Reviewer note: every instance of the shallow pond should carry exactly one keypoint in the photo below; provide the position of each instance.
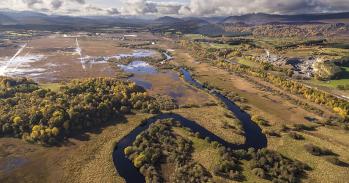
(138, 67)
(104, 59)
(163, 82)
(20, 64)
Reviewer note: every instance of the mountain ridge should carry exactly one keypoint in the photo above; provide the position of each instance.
(263, 18)
(10, 17)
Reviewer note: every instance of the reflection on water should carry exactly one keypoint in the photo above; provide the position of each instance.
(163, 82)
(136, 54)
(142, 83)
(104, 59)
(20, 66)
(138, 67)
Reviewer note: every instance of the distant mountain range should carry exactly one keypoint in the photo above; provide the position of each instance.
(10, 17)
(6, 20)
(169, 20)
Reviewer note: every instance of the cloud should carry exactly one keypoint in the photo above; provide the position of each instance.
(173, 7)
(138, 7)
(47, 5)
(86, 7)
(141, 7)
(236, 7)
(113, 11)
(56, 4)
(232, 7)
(32, 3)
(92, 8)
(71, 11)
(168, 8)
(79, 1)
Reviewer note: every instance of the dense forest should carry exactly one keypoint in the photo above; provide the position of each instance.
(264, 163)
(217, 57)
(39, 115)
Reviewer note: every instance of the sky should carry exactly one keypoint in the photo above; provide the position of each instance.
(176, 7)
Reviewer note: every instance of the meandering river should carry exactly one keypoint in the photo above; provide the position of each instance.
(254, 136)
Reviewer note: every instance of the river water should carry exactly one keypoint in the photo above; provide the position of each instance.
(253, 134)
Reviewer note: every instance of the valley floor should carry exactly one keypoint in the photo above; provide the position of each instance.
(88, 157)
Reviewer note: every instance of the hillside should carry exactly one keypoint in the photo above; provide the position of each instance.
(289, 30)
(168, 20)
(261, 18)
(10, 17)
(6, 20)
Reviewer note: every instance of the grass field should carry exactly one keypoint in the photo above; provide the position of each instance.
(250, 177)
(334, 83)
(223, 46)
(204, 153)
(322, 171)
(195, 36)
(336, 53)
(52, 86)
(247, 62)
(215, 118)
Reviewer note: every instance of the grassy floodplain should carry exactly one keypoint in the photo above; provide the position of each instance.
(329, 137)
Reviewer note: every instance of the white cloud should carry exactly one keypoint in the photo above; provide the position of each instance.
(56, 4)
(137, 7)
(113, 11)
(177, 7)
(169, 8)
(141, 7)
(71, 7)
(235, 7)
(32, 3)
